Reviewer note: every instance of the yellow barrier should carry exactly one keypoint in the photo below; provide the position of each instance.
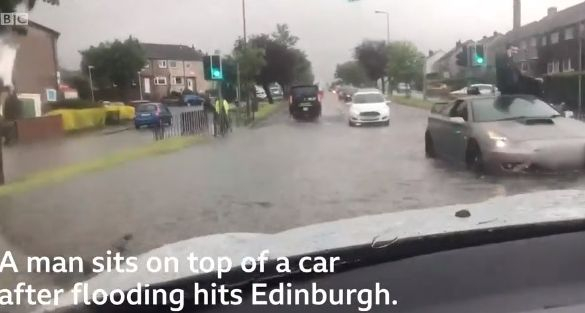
(126, 111)
(81, 118)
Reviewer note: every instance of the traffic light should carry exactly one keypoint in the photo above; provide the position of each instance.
(463, 56)
(479, 57)
(212, 67)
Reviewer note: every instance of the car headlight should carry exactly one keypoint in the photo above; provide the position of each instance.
(354, 113)
(499, 140)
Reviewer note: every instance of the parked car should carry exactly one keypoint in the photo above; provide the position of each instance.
(505, 134)
(136, 103)
(276, 92)
(152, 114)
(403, 88)
(369, 107)
(260, 93)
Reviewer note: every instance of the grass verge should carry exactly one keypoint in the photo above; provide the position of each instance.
(266, 110)
(66, 172)
(413, 102)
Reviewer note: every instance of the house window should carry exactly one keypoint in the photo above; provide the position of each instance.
(160, 80)
(533, 42)
(162, 64)
(523, 45)
(549, 67)
(525, 66)
(177, 80)
(188, 65)
(556, 66)
(569, 33)
(544, 41)
(173, 64)
(554, 38)
(567, 66)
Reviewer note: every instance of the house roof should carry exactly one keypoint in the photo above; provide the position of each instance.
(43, 28)
(171, 52)
(568, 16)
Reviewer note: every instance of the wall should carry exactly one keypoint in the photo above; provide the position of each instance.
(35, 69)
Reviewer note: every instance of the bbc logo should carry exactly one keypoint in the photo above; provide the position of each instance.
(13, 19)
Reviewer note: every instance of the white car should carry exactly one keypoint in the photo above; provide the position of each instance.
(260, 93)
(369, 107)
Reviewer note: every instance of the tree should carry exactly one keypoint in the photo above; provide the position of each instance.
(115, 63)
(405, 62)
(283, 63)
(282, 35)
(251, 61)
(352, 73)
(373, 56)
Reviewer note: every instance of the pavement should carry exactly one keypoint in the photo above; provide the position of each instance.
(24, 159)
(279, 175)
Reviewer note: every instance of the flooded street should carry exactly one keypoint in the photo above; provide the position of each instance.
(278, 175)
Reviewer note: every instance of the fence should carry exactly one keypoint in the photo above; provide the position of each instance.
(197, 122)
(187, 123)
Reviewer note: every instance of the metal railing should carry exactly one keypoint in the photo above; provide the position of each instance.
(184, 124)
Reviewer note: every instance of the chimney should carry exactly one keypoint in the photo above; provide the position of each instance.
(552, 11)
(431, 53)
(517, 14)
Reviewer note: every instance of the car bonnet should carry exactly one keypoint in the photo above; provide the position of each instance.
(540, 207)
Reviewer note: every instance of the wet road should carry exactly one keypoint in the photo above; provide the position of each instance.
(279, 175)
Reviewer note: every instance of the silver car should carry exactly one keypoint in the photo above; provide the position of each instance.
(505, 134)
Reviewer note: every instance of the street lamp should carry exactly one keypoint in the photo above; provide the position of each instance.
(387, 24)
(140, 85)
(89, 68)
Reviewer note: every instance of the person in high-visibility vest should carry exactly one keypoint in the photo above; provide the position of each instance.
(222, 114)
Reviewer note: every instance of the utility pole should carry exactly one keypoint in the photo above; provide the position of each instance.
(140, 85)
(580, 102)
(387, 83)
(245, 47)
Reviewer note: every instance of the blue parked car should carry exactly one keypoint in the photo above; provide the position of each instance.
(193, 100)
(152, 114)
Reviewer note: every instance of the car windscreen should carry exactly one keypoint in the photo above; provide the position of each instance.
(508, 108)
(368, 98)
(147, 108)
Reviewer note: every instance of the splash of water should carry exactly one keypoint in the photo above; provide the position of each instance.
(8, 49)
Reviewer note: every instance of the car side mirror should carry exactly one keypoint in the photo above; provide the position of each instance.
(569, 114)
(457, 120)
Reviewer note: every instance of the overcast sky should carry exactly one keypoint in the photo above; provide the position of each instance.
(328, 29)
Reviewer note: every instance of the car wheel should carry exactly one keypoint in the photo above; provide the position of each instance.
(350, 124)
(429, 146)
(387, 123)
(137, 126)
(474, 158)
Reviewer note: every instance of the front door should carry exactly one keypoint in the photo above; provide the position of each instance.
(147, 85)
(190, 84)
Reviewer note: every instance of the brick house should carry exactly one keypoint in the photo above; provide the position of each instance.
(552, 49)
(35, 74)
(171, 68)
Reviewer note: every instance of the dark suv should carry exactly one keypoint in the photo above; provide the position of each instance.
(305, 102)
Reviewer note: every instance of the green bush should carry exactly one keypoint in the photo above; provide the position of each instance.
(74, 104)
